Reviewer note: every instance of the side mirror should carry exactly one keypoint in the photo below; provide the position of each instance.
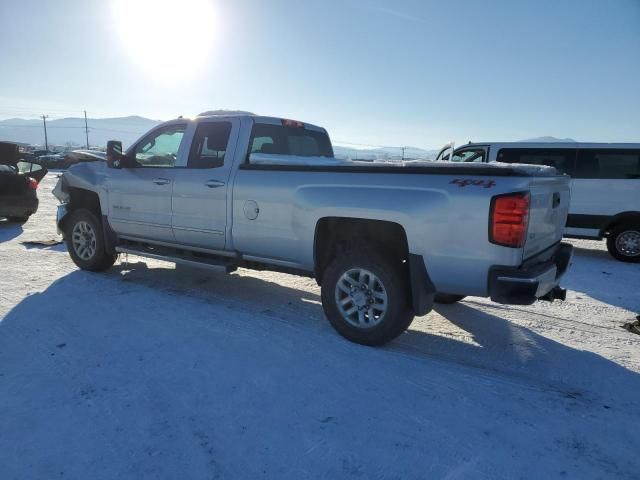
(114, 154)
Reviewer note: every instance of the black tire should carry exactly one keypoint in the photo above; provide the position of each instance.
(446, 299)
(100, 260)
(18, 219)
(617, 235)
(394, 279)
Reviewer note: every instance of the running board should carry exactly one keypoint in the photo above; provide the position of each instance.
(165, 254)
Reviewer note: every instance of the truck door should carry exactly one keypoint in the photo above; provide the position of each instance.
(201, 190)
(140, 192)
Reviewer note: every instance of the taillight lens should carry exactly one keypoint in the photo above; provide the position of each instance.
(33, 185)
(509, 219)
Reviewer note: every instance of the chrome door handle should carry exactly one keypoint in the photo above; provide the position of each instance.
(214, 183)
(161, 181)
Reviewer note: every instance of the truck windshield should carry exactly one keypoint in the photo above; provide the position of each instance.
(285, 140)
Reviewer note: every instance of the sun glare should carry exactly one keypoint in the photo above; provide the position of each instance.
(167, 39)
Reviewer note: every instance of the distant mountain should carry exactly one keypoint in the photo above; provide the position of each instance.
(70, 131)
(548, 139)
(383, 153)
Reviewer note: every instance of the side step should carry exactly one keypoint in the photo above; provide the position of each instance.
(179, 257)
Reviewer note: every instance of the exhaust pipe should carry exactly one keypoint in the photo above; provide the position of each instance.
(556, 293)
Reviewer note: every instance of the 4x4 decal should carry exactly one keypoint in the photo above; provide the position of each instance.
(463, 182)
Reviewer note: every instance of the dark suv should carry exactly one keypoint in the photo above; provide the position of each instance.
(18, 184)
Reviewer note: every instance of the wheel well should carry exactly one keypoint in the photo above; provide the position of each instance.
(621, 219)
(80, 198)
(336, 234)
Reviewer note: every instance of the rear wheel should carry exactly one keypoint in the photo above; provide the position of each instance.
(85, 242)
(445, 298)
(365, 296)
(18, 219)
(624, 243)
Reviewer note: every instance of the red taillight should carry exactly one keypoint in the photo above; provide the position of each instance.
(33, 185)
(292, 123)
(509, 219)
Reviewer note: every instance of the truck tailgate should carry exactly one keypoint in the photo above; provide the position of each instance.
(549, 208)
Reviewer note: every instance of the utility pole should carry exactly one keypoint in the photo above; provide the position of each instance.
(403, 149)
(86, 129)
(44, 122)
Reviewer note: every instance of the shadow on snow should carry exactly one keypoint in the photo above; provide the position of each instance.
(148, 371)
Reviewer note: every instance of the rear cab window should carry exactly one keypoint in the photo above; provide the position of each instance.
(294, 139)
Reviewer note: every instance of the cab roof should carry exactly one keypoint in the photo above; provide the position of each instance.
(218, 114)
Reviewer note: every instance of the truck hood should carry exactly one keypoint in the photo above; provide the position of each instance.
(86, 175)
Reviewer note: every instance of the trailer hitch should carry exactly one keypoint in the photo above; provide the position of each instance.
(556, 293)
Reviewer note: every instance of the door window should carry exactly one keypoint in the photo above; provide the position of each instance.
(289, 140)
(561, 158)
(469, 156)
(608, 163)
(159, 148)
(209, 145)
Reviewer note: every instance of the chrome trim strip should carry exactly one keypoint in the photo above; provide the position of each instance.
(198, 230)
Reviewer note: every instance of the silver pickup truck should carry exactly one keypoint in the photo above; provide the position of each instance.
(384, 241)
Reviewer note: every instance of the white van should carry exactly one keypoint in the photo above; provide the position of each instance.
(605, 185)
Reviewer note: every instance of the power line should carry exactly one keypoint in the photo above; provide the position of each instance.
(36, 126)
(91, 129)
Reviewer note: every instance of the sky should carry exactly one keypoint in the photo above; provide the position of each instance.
(373, 72)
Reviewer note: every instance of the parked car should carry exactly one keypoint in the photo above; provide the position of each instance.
(78, 156)
(605, 185)
(18, 184)
(266, 193)
(53, 160)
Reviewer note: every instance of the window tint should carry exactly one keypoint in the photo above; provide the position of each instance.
(209, 145)
(160, 148)
(281, 140)
(471, 156)
(609, 163)
(560, 158)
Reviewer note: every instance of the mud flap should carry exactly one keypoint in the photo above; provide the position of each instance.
(423, 291)
(110, 237)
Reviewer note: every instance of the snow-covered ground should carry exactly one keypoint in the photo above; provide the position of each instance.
(145, 372)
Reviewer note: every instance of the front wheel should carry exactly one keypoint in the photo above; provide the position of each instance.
(85, 242)
(624, 243)
(18, 219)
(366, 298)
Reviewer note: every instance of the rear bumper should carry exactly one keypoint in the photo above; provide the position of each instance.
(532, 280)
(18, 205)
